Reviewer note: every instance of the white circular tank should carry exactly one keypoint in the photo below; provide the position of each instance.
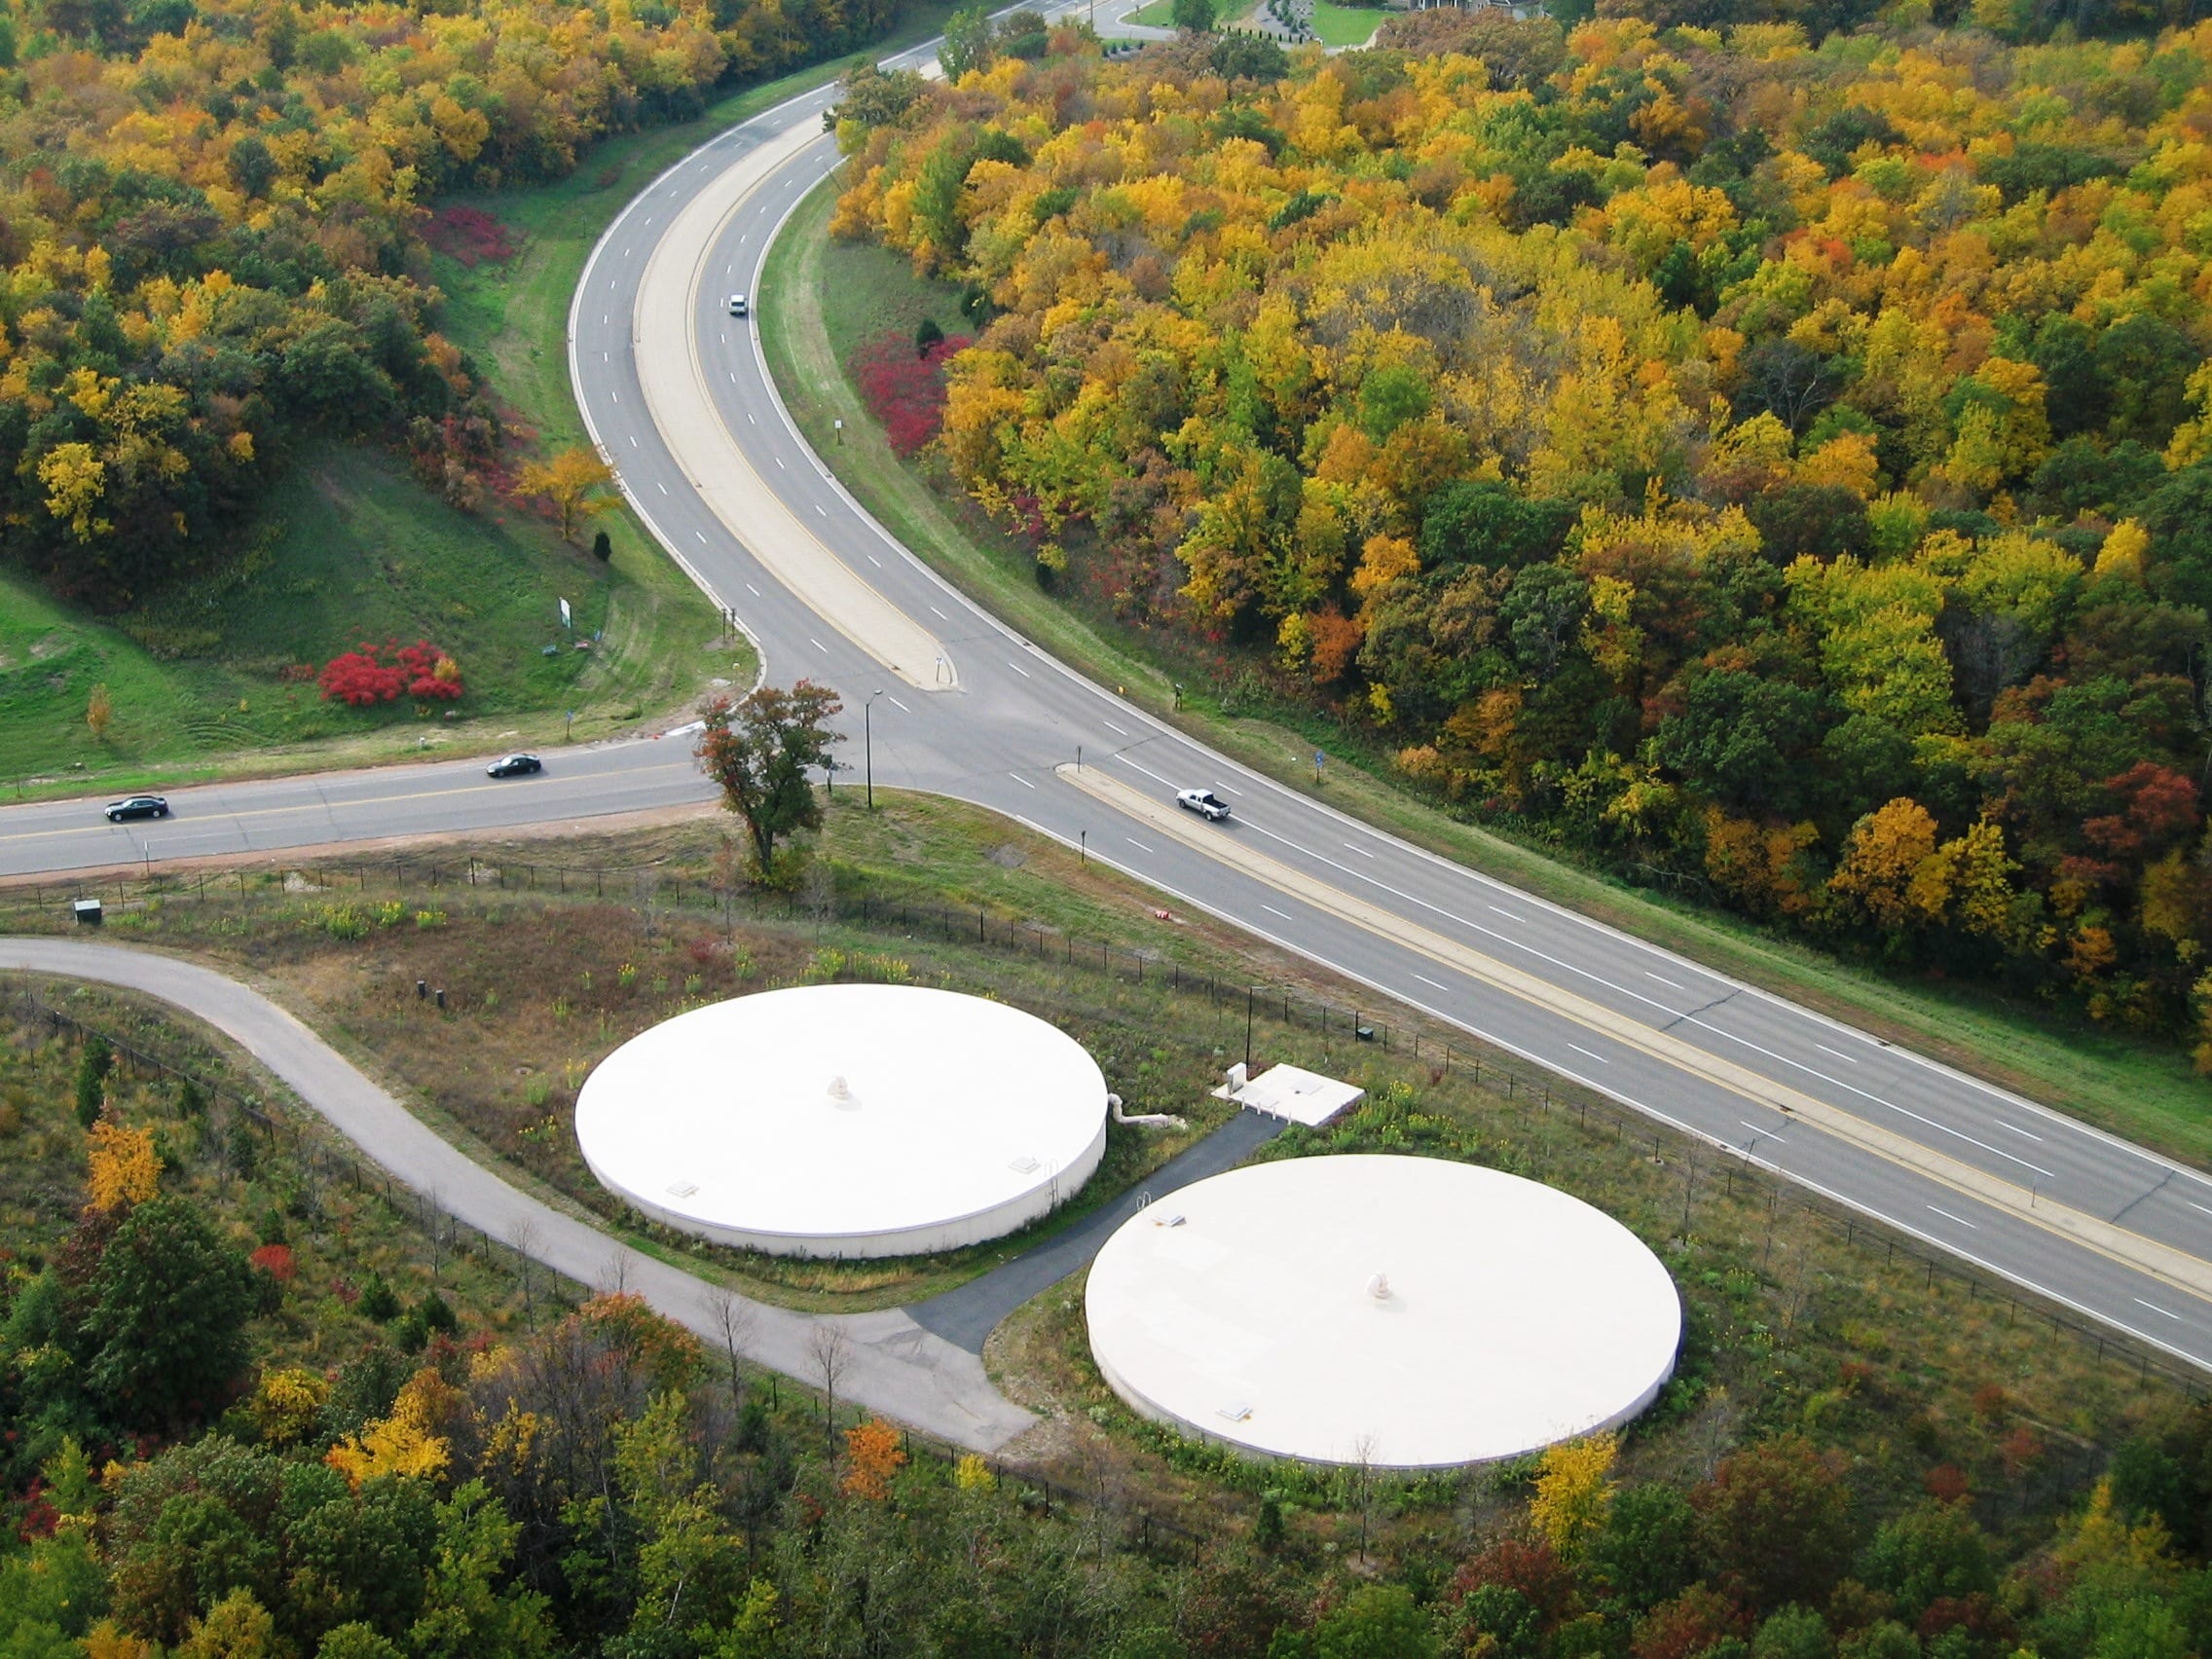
(846, 1120)
(1406, 1312)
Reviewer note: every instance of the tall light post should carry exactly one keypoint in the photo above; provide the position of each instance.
(867, 742)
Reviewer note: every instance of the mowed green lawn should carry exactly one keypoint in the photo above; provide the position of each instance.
(1344, 25)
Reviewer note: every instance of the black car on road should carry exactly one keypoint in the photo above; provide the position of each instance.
(137, 806)
(514, 766)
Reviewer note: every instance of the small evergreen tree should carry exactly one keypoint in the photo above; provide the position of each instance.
(94, 1063)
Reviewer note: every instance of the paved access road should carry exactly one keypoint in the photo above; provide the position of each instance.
(889, 1363)
(2079, 1216)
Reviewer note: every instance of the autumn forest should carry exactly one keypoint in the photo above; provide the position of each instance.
(1780, 471)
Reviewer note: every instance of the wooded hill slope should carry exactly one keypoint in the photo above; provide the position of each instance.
(211, 219)
(1780, 469)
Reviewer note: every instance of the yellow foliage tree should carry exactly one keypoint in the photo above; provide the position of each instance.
(572, 481)
(407, 1442)
(1573, 1492)
(971, 1473)
(286, 1402)
(1885, 850)
(99, 709)
(124, 1168)
(238, 1627)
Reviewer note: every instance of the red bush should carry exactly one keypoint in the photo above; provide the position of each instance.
(469, 236)
(355, 676)
(275, 1259)
(903, 391)
(372, 673)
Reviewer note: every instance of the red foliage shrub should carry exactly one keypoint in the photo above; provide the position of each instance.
(275, 1259)
(355, 676)
(377, 673)
(468, 235)
(1532, 1569)
(1946, 1483)
(1697, 1619)
(903, 391)
(39, 1516)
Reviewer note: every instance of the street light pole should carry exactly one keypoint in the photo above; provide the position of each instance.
(867, 742)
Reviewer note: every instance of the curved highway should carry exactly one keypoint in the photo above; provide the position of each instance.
(2104, 1227)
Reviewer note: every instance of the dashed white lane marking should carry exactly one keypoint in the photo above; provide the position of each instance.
(780, 466)
(1756, 1130)
(2155, 1307)
(662, 487)
(1426, 981)
(2198, 1207)
(1349, 847)
(1272, 911)
(872, 558)
(1111, 726)
(1022, 780)
(750, 589)
(749, 415)
(1142, 848)
(1847, 1059)
(1960, 1219)
(632, 440)
(939, 615)
(1507, 915)
(702, 536)
(1664, 981)
(1592, 1053)
(1018, 669)
(895, 704)
(617, 396)
(817, 508)
(2031, 1135)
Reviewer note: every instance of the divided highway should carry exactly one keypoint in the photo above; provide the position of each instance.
(2105, 1227)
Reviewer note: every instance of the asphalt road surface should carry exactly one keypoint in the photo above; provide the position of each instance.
(2104, 1227)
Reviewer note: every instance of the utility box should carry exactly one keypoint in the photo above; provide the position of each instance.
(88, 911)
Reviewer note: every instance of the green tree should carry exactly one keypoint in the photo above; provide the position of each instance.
(1376, 1621)
(1195, 16)
(1392, 395)
(1642, 1555)
(94, 1060)
(1476, 522)
(1744, 740)
(758, 750)
(1793, 1633)
(470, 1609)
(169, 1301)
(967, 43)
(1242, 56)
(1935, 1551)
